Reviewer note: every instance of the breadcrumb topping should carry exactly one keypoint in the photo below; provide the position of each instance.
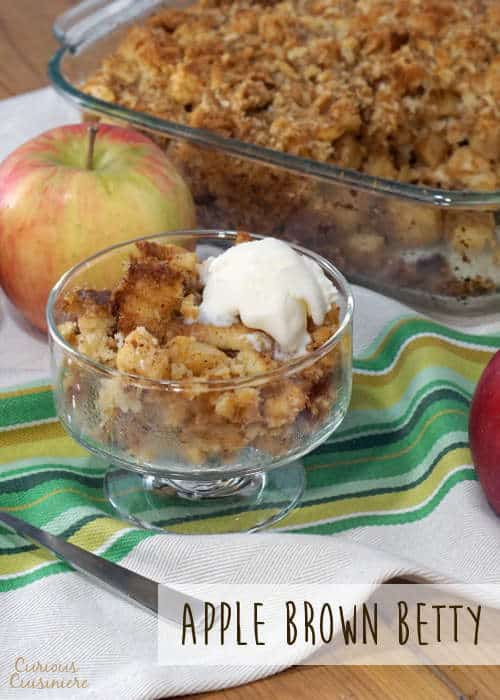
(403, 89)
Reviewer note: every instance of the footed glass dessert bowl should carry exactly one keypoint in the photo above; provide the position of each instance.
(202, 418)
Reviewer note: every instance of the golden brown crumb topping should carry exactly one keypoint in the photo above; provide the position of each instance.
(404, 89)
(147, 325)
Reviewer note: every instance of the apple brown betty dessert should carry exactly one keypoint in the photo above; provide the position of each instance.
(148, 326)
(407, 90)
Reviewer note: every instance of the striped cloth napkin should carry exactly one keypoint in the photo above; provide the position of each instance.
(394, 488)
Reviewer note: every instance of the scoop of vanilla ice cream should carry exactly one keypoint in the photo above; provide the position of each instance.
(270, 287)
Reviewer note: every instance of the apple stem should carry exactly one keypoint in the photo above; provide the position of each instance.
(93, 129)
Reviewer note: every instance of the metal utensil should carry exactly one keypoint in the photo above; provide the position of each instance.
(135, 587)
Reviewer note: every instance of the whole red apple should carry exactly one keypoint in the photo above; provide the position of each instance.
(74, 190)
(484, 431)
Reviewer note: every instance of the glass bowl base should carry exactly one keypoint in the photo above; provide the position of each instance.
(181, 506)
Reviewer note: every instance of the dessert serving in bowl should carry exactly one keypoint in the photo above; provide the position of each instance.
(366, 131)
(202, 365)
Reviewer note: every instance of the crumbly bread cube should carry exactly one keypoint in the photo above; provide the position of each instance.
(222, 440)
(190, 308)
(345, 210)
(141, 354)
(97, 321)
(349, 152)
(320, 334)
(175, 411)
(485, 139)
(91, 312)
(192, 358)
(185, 85)
(232, 338)
(97, 345)
(345, 218)
(116, 394)
(365, 249)
(148, 296)
(239, 406)
(275, 441)
(153, 291)
(178, 258)
(69, 331)
(283, 407)
(100, 91)
(432, 149)
(81, 302)
(470, 232)
(193, 452)
(380, 164)
(322, 402)
(252, 94)
(471, 169)
(413, 226)
(250, 362)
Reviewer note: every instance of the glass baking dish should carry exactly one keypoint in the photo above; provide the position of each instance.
(435, 249)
